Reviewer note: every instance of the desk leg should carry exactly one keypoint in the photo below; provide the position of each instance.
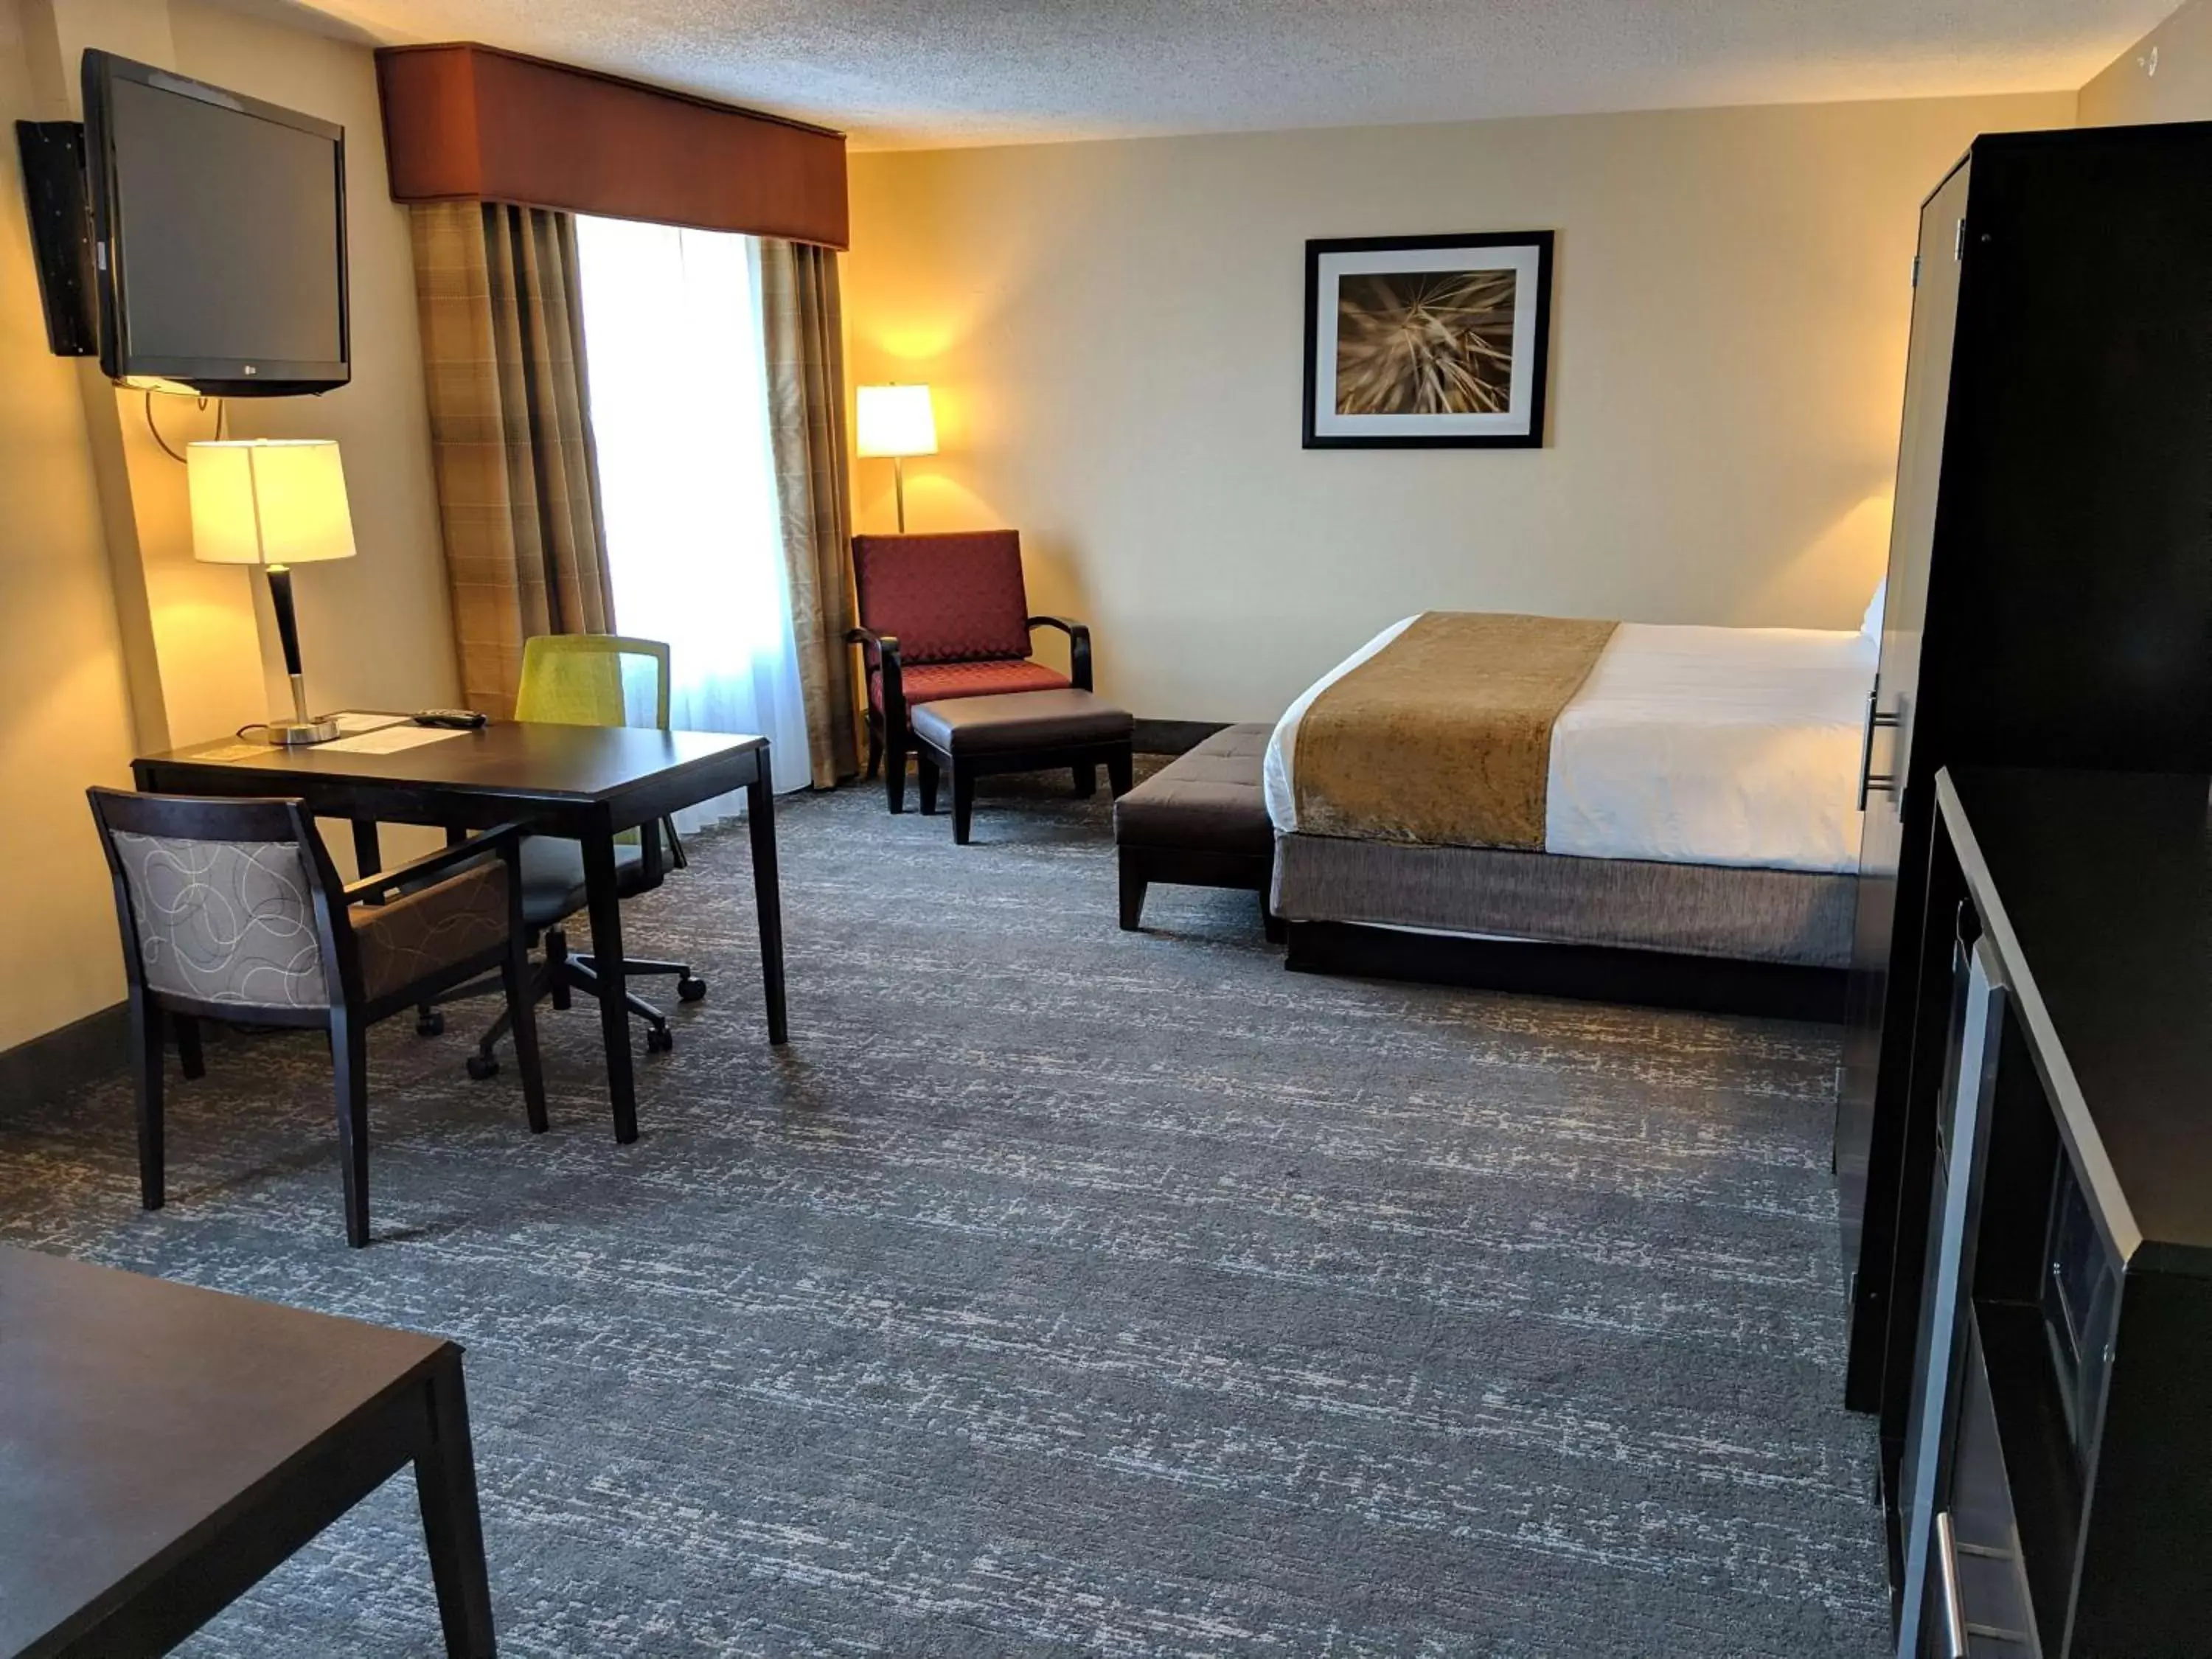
(453, 1527)
(605, 909)
(768, 896)
(368, 851)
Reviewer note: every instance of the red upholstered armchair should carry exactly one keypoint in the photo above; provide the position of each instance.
(946, 616)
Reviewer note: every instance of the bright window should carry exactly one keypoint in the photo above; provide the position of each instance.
(678, 390)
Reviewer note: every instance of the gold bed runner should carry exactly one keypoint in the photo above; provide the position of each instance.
(1444, 735)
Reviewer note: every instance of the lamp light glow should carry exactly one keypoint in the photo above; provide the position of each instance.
(894, 422)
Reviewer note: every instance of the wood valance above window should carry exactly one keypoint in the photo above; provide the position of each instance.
(470, 123)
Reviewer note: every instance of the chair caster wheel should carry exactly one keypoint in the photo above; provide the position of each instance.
(430, 1025)
(659, 1039)
(482, 1067)
(690, 988)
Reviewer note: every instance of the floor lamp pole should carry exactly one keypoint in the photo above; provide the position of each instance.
(898, 488)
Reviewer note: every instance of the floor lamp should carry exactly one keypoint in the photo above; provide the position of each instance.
(896, 422)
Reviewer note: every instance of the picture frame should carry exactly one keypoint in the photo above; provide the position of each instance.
(1428, 342)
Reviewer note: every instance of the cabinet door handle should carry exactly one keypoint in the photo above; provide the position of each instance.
(1947, 1567)
(1869, 779)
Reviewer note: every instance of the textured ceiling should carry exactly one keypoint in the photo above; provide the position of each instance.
(907, 72)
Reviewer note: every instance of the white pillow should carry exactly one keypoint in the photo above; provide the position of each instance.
(1871, 625)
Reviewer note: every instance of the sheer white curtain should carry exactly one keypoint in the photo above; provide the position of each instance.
(678, 391)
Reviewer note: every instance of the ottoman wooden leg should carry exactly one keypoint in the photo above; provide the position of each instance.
(963, 801)
(928, 771)
(1120, 771)
(1132, 896)
(1086, 781)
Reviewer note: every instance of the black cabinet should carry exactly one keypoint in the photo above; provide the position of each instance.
(2050, 588)
(2053, 1493)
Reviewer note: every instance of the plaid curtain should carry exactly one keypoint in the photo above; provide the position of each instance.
(510, 429)
(805, 340)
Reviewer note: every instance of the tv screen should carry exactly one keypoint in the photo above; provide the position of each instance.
(219, 234)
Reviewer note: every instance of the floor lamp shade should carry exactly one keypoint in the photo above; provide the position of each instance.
(895, 422)
(274, 503)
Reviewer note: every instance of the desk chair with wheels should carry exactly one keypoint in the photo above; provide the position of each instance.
(585, 679)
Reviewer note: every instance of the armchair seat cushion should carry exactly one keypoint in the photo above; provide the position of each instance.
(431, 929)
(934, 681)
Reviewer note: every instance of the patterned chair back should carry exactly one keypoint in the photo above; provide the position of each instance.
(218, 899)
(956, 597)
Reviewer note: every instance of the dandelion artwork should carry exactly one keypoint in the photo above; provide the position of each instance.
(1427, 341)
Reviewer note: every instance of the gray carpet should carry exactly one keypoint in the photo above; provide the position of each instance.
(1059, 1291)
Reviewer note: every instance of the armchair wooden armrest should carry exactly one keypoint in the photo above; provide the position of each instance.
(1078, 647)
(886, 647)
(431, 865)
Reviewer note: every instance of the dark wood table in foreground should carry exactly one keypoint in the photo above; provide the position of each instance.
(587, 782)
(163, 1448)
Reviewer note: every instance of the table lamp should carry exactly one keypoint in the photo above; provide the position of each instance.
(274, 502)
(897, 421)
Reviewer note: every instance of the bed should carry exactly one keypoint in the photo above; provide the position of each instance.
(1639, 797)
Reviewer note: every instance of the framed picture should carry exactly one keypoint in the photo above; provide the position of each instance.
(1427, 342)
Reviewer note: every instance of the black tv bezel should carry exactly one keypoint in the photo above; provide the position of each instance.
(229, 377)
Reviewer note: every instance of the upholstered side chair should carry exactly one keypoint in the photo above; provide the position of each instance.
(946, 615)
(232, 909)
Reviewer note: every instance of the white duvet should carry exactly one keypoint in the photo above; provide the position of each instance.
(1690, 746)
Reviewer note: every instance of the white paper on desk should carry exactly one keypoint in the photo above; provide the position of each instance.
(233, 751)
(352, 722)
(388, 740)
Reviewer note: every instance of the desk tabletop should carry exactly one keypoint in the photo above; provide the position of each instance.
(2104, 884)
(529, 760)
(132, 1410)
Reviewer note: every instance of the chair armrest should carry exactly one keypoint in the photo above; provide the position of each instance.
(889, 670)
(1078, 647)
(442, 862)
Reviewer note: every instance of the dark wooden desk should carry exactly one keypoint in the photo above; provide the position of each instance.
(585, 782)
(163, 1448)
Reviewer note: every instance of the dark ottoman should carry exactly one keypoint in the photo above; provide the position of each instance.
(1201, 821)
(1018, 732)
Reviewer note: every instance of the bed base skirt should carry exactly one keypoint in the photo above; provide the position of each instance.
(1618, 930)
(1589, 972)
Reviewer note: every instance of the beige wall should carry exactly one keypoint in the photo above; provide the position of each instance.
(2175, 86)
(1113, 332)
(116, 636)
(375, 632)
(64, 710)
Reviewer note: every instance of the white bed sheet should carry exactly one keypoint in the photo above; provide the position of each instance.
(1692, 745)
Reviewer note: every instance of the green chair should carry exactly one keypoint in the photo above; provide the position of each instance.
(585, 679)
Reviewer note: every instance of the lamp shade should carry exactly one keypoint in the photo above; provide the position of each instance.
(269, 501)
(897, 420)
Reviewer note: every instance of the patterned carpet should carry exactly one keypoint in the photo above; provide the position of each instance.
(1059, 1291)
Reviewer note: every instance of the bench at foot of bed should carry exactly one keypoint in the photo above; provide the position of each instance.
(1199, 820)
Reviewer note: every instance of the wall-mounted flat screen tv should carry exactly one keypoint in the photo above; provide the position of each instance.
(219, 235)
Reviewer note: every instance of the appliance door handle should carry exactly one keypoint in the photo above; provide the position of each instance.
(1947, 1569)
(1870, 779)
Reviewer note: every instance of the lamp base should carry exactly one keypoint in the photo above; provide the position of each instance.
(290, 733)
